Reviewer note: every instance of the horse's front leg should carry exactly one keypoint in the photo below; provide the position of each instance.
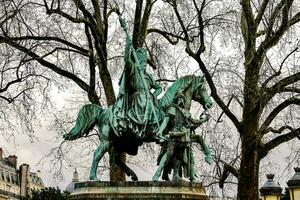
(204, 147)
(98, 154)
(129, 172)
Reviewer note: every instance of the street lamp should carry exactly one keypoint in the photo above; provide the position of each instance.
(271, 190)
(294, 185)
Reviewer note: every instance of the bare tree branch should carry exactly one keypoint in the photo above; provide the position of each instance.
(280, 130)
(281, 139)
(272, 39)
(261, 12)
(49, 38)
(45, 63)
(12, 99)
(278, 87)
(277, 73)
(295, 19)
(290, 89)
(228, 169)
(275, 112)
(166, 35)
(67, 16)
(215, 95)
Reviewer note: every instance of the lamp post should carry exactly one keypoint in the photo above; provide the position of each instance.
(271, 190)
(294, 185)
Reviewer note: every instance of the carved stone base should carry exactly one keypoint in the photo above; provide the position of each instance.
(138, 190)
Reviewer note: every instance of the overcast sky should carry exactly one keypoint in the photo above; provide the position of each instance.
(31, 152)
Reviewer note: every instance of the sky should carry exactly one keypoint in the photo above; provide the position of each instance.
(32, 152)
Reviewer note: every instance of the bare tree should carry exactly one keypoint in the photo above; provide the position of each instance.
(265, 26)
(247, 50)
(67, 40)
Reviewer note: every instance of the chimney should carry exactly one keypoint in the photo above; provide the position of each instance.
(39, 173)
(24, 170)
(12, 159)
(1, 153)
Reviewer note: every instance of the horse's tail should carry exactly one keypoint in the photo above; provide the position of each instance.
(86, 120)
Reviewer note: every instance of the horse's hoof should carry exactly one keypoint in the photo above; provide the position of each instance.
(155, 178)
(93, 179)
(193, 180)
(134, 178)
(177, 178)
(209, 159)
(165, 177)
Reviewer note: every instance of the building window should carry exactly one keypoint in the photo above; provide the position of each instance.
(16, 179)
(1, 174)
(12, 178)
(7, 177)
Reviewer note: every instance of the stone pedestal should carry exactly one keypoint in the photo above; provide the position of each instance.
(138, 190)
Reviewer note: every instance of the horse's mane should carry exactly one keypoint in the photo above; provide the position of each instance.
(179, 85)
(86, 120)
(198, 81)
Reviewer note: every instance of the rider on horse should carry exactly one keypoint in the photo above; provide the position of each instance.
(136, 108)
(135, 117)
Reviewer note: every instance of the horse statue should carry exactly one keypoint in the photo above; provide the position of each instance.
(193, 88)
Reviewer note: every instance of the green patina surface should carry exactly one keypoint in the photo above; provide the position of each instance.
(139, 116)
(138, 190)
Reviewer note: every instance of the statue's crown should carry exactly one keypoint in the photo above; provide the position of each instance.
(141, 53)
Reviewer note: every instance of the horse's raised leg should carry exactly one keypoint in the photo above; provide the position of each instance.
(129, 172)
(98, 154)
(204, 147)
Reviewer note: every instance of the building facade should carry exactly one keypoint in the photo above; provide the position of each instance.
(16, 182)
(70, 187)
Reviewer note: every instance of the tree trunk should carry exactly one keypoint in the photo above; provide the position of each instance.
(249, 168)
(249, 171)
(116, 174)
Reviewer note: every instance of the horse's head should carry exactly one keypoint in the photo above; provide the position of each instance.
(200, 93)
(193, 88)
